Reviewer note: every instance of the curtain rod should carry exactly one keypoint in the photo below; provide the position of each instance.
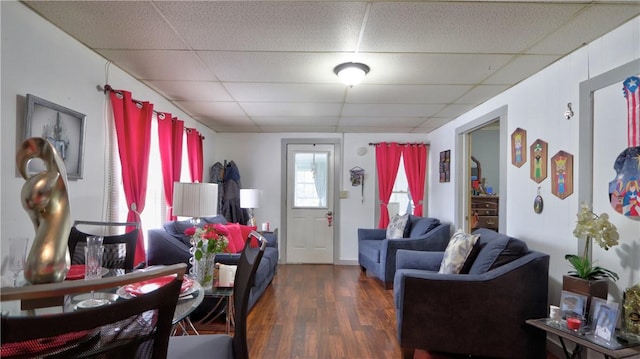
(108, 88)
(399, 143)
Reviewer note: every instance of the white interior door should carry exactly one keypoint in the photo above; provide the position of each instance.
(310, 186)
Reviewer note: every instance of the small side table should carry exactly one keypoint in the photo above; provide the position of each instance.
(612, 349)
(219, 293)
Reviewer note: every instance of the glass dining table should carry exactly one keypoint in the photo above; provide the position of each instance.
(188, 301)
(190, 298)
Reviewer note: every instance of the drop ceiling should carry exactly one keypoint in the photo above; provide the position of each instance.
(267, 66)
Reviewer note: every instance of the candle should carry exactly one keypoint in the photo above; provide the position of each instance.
(573, 323)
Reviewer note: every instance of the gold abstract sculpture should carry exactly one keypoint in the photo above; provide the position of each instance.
(44, 197)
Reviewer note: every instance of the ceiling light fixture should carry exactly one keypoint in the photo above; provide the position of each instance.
(351, 73)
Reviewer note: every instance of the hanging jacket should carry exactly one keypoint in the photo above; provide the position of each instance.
(216, 175)
(231, 204)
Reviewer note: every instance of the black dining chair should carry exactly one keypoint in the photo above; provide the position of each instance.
(119, 249)
(222, 345)
(139, 327)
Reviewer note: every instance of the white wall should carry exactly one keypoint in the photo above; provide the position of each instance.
(39, 59)
(258, 156)
(537, 105)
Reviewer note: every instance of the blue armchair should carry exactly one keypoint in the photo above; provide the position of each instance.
(481, 313)
(377, 254)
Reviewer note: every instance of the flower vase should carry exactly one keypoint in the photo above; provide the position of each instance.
(202, 269)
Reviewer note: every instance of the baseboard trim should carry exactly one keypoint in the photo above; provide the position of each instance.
(348, 262)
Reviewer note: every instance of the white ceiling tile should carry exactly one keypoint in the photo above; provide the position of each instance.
(159, 65)
(265, 92)
(390, 110)
(461, 27)
(431, 69)
(365, 93)
(585, 27)
(211, 109)
(291, 109)
(481, 93)
(112, 24)
(319, 129)
(455, 110)
(373, 129)
(296, 121)
(524, 65)
(278, 67)
(191, 90)
(267, 26)
(221, 120)
(381, 121)
(223, 128)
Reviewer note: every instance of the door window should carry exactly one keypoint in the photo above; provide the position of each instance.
(310, 188)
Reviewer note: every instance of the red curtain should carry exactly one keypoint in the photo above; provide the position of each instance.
(194, 150)
(415, 166)
(133, 129)
(170, 131)
(387, 162)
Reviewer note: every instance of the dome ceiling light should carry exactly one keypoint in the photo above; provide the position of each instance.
(351, 73)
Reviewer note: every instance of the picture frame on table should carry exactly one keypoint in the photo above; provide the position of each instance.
(606, 322)
(64, 128)
(572, 304)
(594, 309)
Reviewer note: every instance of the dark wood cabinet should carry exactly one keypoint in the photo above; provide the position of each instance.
(485, 211)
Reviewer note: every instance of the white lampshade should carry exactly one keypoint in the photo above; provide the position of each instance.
(351, 73)
(250, 198)
(195, 200)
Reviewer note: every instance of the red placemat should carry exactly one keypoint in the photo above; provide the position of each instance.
(150, 285)
(76, 272)
(39, 346)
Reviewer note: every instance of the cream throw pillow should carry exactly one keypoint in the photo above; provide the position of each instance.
(458, 249)
(395, 229)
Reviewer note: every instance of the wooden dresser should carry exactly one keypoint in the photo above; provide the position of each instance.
(486, 209)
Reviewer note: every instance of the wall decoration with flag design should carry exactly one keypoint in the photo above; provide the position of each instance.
(624, 190)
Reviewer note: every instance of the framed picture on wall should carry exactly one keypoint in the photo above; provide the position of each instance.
(538, 164)
(445, 166)
(62, 127)
(518, 147)
(562, 174)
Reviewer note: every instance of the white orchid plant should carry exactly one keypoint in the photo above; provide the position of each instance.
(592, 227)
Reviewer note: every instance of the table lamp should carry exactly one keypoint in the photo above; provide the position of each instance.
(195, 200)
(250, 199)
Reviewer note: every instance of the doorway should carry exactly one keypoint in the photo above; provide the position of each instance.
(310, 211)
(464, 182)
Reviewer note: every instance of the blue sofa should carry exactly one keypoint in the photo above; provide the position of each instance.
(169, 245)
(481, 313)
(377, 254)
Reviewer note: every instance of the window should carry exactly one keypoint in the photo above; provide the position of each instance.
(400, 201)
(310, 188)
(155, 209)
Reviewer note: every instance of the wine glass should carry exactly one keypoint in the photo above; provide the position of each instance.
(17, 254)
(93, 253)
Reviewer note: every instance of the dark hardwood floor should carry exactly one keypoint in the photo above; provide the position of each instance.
(322, 312)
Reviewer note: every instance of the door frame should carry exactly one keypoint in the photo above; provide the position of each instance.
(462, 194)
(337, 173)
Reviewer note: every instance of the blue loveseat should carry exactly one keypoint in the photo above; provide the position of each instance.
(169, 245)
(481, 313)
(377, 254)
